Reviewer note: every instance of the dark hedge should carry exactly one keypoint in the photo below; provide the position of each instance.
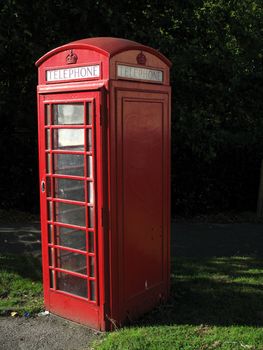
(216, 47)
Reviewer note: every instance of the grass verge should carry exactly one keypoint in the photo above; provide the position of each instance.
(215, 304)
(20, 284)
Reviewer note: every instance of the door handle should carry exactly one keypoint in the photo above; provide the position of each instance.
(43, 186)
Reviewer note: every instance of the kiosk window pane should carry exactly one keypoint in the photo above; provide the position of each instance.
(91, 242)
(50, 228)
(47, 138)
(51, 278)
(68, 139)
(91, 266)
(92, 290)
(48, 157)
(90, 192)
(69, 189)
(49, 210)
(47, 115)
(91, 217)
(71, 238)
(71, 261)
(68, 114)
(50, 256)
(89, 116)
(89, 140)
(68, 164)
(89, 166)
(70, 214)
(48, 186)
(72, 284)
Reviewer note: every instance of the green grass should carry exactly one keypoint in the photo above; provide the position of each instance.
(215, 303)
(20, 284)
(184, 338)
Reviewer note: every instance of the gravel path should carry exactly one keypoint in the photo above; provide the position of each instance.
(44, 333)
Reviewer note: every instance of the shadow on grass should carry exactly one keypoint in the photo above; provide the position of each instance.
(215, 291)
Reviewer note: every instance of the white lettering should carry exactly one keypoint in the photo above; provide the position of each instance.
(85, 72)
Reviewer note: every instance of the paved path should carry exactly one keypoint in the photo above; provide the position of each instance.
(20, 238)
(208, 240)
(187, 239)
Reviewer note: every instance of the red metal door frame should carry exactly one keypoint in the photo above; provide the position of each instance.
(61, 303)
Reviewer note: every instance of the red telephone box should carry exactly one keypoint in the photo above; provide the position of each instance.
(104, 155)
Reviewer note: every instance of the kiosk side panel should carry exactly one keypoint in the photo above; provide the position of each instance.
(142, 198)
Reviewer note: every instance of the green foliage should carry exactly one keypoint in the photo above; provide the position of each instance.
(216, 47)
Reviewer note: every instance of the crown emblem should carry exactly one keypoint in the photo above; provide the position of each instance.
(141, 58)
(71, 57)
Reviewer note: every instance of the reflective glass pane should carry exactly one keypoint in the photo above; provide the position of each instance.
(68, 139)
(91, 217)
(68, 164)
(89, 140)
(91, 266)
(89, 166)
(91, 242)
(89, 116)
(49, 210)
(48, 186)
(72, 284)
(47, 115)
(70, 214)
(50, 228)
(69, 189)
(47, 138)
(51, 255)
(51, 278)
(71, 114)
(90, 192)
(92, 290)
(72, 238)
(48, 169)
(71, 261)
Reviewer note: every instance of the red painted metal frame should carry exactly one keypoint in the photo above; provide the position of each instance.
(55, 300)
